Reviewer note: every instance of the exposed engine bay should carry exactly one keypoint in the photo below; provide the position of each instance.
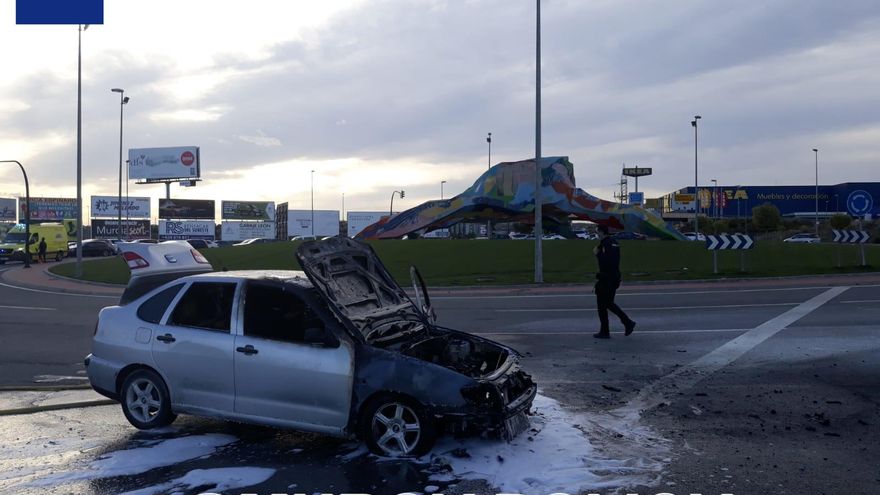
(471, 357)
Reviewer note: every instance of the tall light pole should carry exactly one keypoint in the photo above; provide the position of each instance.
(539, 227)
(402, 195)
(343, 206)
(714, 202)
(816, 153)
(27, 213)
(122, 102)
(696, 182)
(313, 203)
(441, 188)
(79, 220)
(489, 167)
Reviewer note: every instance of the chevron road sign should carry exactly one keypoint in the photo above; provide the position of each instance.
(851, 236)
(732, 241)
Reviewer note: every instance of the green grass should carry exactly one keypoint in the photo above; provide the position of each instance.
(465, 262)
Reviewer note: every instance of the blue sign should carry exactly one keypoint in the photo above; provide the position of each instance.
(859, 203)
(59, 11)
(636, 198)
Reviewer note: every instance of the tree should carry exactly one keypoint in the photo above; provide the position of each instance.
(840, 221)
(766, 217)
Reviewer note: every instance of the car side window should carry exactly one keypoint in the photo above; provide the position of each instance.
(271, 312)
(153, 308)
(206, 305)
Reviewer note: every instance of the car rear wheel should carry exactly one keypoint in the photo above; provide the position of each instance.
(105, 253)
(145, 401)
(396, 426)
(59, 256)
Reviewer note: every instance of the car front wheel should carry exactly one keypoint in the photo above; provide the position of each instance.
(397, 427)
(145, 400)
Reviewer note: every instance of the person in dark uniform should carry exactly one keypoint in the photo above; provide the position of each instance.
(42, 250)
(607, 281)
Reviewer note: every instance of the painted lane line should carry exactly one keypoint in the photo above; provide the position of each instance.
(863, 301)
(27, 307)
(642, 332)
(41, 291)
(717, 306)
(659, 292)
(688, 375)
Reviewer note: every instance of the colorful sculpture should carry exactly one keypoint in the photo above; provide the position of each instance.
(506, 193)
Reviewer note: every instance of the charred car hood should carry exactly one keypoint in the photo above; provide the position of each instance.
(357, 286)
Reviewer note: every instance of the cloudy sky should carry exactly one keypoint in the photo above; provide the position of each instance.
(382, 95)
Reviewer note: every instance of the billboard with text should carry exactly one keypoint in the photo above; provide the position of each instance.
(131, 229)
(247, 210)
(7, 210)
(49, 209)
(189, 209)
(359, 220)
(187, 229)
(108, 206)
(299, 222)
(239, 231)
(156, 164)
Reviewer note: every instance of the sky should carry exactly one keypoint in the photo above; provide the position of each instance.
(377, 96)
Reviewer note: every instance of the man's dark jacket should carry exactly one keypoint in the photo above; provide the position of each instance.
(608, 257)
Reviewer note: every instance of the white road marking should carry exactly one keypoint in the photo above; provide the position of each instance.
(658, 292)
(41, 291)
(646, 332)
(863, 301)
(27, 307)
(717, 306)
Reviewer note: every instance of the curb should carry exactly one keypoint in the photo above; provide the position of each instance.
(56, 407)
(43, 388)
(84, 282)
(59, 289)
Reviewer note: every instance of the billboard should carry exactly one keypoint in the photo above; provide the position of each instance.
(239, 231)
(247, 210)
(636, 198)
(156, 164)
(299, 222)
(108, 206)
(131, 229)
(49, 209)
(7, 210)
(359, 220)
(188, 229)
(186, 208)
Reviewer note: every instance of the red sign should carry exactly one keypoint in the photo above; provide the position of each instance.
(187, 158)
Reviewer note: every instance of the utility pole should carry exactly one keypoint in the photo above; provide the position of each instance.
(539, 227)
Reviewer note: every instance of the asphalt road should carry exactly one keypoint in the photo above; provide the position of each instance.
(743, 391)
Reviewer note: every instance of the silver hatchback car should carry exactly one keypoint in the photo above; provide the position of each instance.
(338, 348)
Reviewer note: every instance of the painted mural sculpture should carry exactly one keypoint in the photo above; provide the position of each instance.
(506, 193)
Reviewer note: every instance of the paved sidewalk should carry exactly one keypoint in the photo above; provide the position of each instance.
(38, 277)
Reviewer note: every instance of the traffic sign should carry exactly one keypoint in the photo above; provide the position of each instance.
(733, 241)
(851, 236)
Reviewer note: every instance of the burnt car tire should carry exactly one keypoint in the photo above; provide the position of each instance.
(396, 426)
(145, 400)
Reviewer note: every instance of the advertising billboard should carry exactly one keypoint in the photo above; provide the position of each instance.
(107, 206)
(239, 231)
(299, 222)
(131, 229)
(247, 210)
(7, 209)
(359, 220)
(189, 209)
(187, 229)
(49, 209)
(156, 164)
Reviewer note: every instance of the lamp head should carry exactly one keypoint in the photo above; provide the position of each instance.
(816, 150)
(118, 90)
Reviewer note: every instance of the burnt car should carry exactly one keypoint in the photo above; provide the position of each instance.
(339, 348)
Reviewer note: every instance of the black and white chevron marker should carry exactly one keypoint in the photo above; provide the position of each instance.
(851, 236)
(732, 241)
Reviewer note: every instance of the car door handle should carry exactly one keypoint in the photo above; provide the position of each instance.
(167, 338)
(248, 350)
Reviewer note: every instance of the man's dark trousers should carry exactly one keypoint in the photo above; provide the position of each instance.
(606, 288)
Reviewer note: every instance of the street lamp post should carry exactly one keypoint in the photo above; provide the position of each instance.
(441, 188)
(539, 227)
(402, 195)
(489, 167)
(714, 202)
(313, 202)
(79, 222)
(27, 213)
(696, 181)
(816, 153)
(123, 100)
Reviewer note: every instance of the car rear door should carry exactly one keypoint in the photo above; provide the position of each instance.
(194, 346)
(288, 365)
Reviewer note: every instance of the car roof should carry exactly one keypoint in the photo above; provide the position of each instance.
(296, 277)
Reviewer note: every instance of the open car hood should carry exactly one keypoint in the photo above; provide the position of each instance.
(357, 285)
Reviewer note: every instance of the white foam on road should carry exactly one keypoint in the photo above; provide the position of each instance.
(217, 480)
(557, 455)
(142, 459)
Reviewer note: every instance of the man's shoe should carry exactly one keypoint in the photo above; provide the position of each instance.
(602, 335)
(629, 327)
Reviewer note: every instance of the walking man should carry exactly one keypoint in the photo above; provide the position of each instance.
(607, 281)
(42, 250)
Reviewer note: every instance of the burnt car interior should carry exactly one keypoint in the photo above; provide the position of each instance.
(272, 311)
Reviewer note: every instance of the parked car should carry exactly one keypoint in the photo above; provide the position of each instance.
(517, 236)
(147, 241)
(553, 237)
(629, 236)
(93, 247)
(692, 236)
(202, 243)
(338, 348)
(257, 240)
(586, 235)
(803, 239)
(303, 238)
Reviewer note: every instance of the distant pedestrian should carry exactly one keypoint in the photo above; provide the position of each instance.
(42, 250)
(607, 282)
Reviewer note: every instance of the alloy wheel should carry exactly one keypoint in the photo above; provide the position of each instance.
(396, 429)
